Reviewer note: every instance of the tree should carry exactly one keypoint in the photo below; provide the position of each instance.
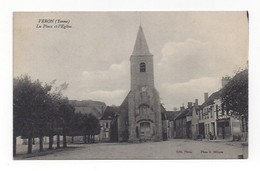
(55, 114)
(85, 127)
(29, 97)
(235, 96)
(66, 112)
(94, 127)
(76, 125)
(43, 117)
(51, 118)
(88, 126)
(39, 110)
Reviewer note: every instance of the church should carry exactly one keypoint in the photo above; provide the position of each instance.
(140, 116)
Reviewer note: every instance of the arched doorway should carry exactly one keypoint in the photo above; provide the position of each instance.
(145, 131)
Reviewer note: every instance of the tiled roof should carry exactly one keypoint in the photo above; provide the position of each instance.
(211, 98)
(109, 113)
(171, 115)
(184, 113)
(124, 104)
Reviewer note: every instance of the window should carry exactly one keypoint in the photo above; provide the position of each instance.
(217, 111)
(222, 109)
(107, 135)
(211, 111)
(142, 67)
(107, 125)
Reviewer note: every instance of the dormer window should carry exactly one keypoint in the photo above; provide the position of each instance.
(142, 67)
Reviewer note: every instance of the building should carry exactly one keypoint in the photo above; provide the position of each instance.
(215, 122)
(207, 116)
(171, 115)
(139, 116)
(182, 123)
(165, 123)
(208, 121)
(228, 127)
(106, 123)
(195, 120)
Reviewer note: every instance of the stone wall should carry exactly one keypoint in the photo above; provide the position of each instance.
(148, 98)
(141, 78)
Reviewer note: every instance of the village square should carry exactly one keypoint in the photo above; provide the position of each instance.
(49, 125)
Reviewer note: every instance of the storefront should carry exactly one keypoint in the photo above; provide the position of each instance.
(223, 128)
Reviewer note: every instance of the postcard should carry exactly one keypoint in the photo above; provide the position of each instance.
(140, 85)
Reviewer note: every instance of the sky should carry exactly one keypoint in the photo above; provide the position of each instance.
(192, 52)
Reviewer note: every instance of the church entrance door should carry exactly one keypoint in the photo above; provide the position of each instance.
(145, 131)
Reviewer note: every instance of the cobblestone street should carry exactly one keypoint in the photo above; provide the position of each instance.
(172, 149)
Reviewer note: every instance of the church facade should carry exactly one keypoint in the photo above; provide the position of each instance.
(139, 116)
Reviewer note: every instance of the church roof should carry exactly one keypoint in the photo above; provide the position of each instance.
(141, 47)
(124, 105)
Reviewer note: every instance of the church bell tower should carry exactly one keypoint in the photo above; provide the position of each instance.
(141, 63)
(144, 109)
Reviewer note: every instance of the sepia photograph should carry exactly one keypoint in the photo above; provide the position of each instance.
(140, 85)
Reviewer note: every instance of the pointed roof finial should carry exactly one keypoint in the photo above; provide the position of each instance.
(140, 17)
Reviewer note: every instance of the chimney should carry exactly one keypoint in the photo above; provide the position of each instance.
(206, 96)
(182, 108)
(224, 81)
(189, 104)
(196, 104)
